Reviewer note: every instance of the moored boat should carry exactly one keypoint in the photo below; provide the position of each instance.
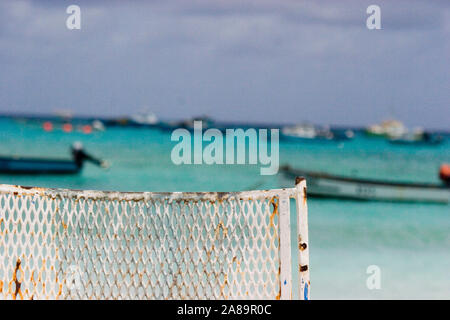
(331, 186)
(19, 165)
(387, 129)
(188, 124)
(418, 138)
(144, 118)
(309, 132)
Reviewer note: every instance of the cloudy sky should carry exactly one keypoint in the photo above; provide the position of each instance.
(248, 60)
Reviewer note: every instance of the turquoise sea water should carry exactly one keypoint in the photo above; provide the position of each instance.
(409, 242)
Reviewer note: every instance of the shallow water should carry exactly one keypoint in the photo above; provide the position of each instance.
(409, 242)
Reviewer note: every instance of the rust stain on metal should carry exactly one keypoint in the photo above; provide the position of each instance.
(275, 210)
(304, 196)
(224, 229)
(208, 253)
(32, 280)
(238, 263)
(1, 286)
(16, 282)
(278, 297)
(302, 246)
(299, 179)
(59, 289)
(26, 187)
(303, 268)
(222, 287)
(221, 195)
(40, 271)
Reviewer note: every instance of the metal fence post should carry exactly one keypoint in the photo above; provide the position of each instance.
(303, 242)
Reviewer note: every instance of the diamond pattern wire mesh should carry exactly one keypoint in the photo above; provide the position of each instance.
(62, 244)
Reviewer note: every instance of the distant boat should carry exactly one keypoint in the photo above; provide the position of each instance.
(18, 165)
(98, 125)
(331, 186)
(146, 118)
(387, 129)
(301, 131)
(305, 132)
(418, 138)
(188, 124)
(343, 134)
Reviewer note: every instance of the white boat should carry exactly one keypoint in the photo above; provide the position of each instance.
(304, 132)
(388, 128)
(331, 186)
(98, 125)
(145, 118)
(420, 138)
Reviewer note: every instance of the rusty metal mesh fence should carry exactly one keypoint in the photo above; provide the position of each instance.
(62, 244)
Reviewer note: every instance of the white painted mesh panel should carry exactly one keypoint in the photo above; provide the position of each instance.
(60, 244)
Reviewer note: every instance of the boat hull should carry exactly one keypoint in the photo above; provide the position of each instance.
(37, 166)
(328, 186)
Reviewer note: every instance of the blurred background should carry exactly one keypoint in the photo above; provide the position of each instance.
(349, 102)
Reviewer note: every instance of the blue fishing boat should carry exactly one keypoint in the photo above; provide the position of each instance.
(19, 165)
